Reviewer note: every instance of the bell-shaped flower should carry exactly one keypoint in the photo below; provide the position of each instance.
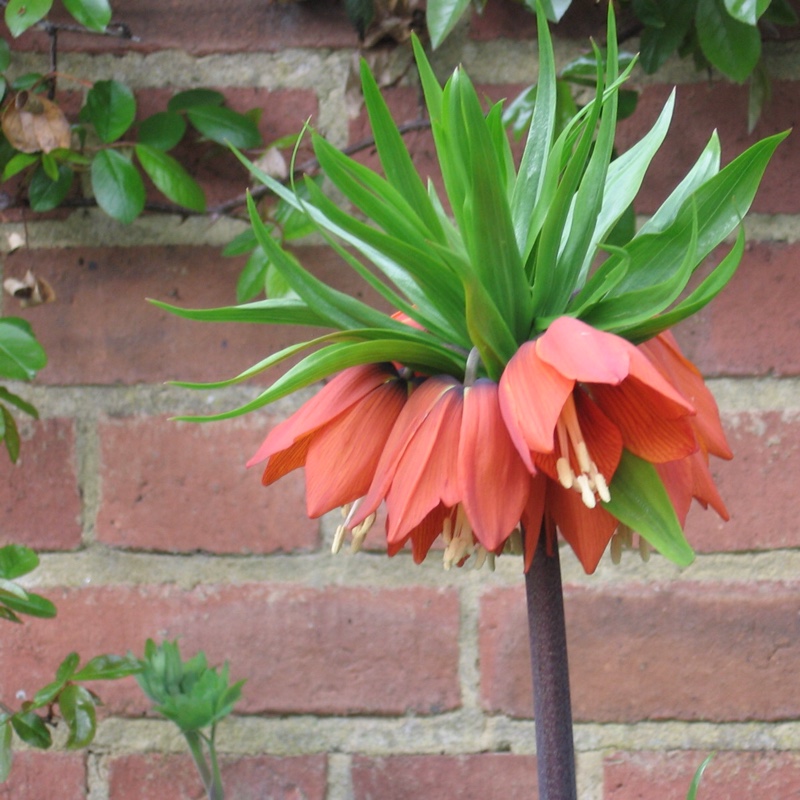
(338, 436)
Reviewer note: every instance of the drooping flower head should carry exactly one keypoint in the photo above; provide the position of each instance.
(527, 382)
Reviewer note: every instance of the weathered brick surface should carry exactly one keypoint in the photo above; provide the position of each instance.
(40, 503)
(36, 775)
(470, 777)
(753, 326)
(723, 106)
(183, 486)
(729, 776)
(694, 652)
(101, 330)
(203, 26)
(326, 651)
(505, 19)
(758, 486)
(155, 777)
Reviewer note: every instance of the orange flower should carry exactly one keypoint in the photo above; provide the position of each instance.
(338, 435)
(449, 467)
(572, 400)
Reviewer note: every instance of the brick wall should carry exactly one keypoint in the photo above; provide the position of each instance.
(369, 677)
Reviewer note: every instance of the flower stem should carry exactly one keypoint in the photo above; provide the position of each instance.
(555, 751)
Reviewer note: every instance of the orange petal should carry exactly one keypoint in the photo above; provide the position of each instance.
(492, 480)
(339, 394)
(677, 479)
(532, 516)
(532, 394)
(285, 461)
(426, 471)
(587, 530)
(343, 455)
(583, 353)
(664, 353)
(645, 420)
(703, 487)
(414, 413)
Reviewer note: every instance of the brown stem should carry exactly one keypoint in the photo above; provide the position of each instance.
(555, 750)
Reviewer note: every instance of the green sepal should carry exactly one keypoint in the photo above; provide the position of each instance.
(640, 501)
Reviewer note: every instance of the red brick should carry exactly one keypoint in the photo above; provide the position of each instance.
(721, 652)
(40, 503)
(174, 486)
(729, 776)
(753, 326)
(302, 650)
(723, 106)
(154, 777)
(37, 775)
(507, 19)
(203, 26)
(101, 330)
(434, 777)
(758, 487)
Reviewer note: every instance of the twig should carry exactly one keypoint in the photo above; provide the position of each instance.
(115, 30)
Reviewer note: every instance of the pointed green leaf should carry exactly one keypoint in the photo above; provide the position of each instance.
(441, 16)
(108, 667)
(111, 108)
(395, 160)
(225, 126)
(532, 170)
(5, 750)
(117, 185)
(195, 97)
(21, 355)
(10, 588)
(77, 707)
(731, 46)
(35, 606)
(46, 194)
(31, 729)
(22, 14)
(280, 311)
(17, 560)
(171, 178)
(92, 14)
(17, 163)
(662, 36)
(640, 501)
(698, 776)
(17, 401)
(162, 130)
(10, 434)
(747, 11)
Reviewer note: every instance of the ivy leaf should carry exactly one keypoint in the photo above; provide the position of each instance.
(731, 46)
(46, 194)
(92, 14)
(21, 356)
(171, 178)
(21, 14)
(225, 126)
(117, 185)
(111, 108)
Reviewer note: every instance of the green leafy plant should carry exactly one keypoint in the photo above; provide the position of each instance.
(195, 697)
(76, 704)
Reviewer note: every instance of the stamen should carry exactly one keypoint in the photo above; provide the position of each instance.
(644, 548)
(462, 543)
(360, 533)
(338, 539)
(616, 548)
(591, 481)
